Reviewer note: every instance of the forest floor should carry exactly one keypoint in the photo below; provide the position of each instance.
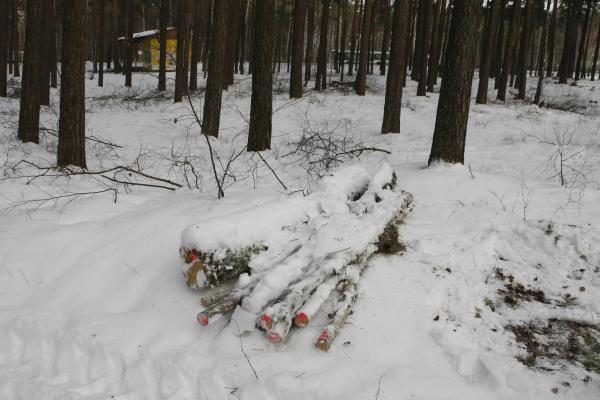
(497, 296)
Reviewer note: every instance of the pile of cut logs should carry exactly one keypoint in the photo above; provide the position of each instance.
(275, 265)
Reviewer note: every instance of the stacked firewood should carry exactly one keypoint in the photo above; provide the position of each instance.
(293, 255)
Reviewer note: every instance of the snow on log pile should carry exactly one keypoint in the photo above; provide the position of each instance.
(291, 256)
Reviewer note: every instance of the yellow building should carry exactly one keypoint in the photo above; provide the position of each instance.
(147, 49)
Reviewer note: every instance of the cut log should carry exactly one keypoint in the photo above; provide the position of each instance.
(288, 268)
(220, 249)
(208, 269)
(307, 312)
(347, 299)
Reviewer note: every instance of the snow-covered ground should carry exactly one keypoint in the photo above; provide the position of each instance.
(93, 304)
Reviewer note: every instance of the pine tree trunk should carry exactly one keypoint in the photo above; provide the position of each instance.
(386, 36)
(280, 26)
(395, 77)
(455, 93)
(321, 78)
(582, 41)
(198, 30)
(435, 43)
(3, 47)
(419, 39)
(259, 133)
(52, 59)
(162, 38)
(243, 27)
(129, 43)
(297, 49)
(541, 67)
(353, 38)
(596, 51)
(183, 46)
(310, 38)
(29, 111)
(71, 126)
(361, 75)
(116, 46)
(551, 39)
(15, 37)
(567, 60)
(427, 27)
(525, 44)
(486, 57)
(101, 9)
(509, 49)
(45, 50)
(233, 26)
(344, 37)
(214, 81)
(499, 45)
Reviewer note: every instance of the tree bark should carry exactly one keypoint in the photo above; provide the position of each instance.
(419, 39)
(385, 42)
(582, 41)
(361, 75)
(455, 94)
(15, 37)
(432, 69)
(321, 78)
(214, 80)
(395, 77)
(183, 47)
(499, 45)
(71, 126)
(310, 38)
(567, 60)
(551, 38)
(344, 36)
(162, 38)
(101, 9)
(29, 111)
(422, 85)
(45, 50)
(259, 134)
(525, 44)
(540, 85)
(486, 58)
(509, 49)
(233, 27)
(297, 49)
(116, 46)
(129, 43)
(198, 29)
(3, 47)
(596, 51)
(353, 38)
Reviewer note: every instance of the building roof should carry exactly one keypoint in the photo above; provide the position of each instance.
(139, 36)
